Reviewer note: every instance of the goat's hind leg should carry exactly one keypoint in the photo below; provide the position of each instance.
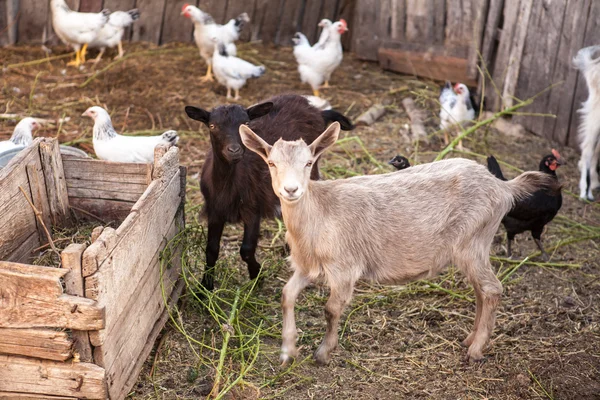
(339, 297)
(481, 275)
(290, 293)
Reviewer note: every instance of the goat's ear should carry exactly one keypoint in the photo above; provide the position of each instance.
(198, 114)
(259, 110)
(253, 142)
(325, 140)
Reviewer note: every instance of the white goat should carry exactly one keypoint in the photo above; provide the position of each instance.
(589, 127)
(341, 230)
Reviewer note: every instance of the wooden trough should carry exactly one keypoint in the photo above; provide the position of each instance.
(84, 330)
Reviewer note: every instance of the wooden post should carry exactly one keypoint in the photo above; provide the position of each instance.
(56, 184)
(71, 260)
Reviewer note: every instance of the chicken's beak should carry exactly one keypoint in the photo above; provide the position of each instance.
(85, 114)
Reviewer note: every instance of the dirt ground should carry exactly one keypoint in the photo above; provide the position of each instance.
(396, 341)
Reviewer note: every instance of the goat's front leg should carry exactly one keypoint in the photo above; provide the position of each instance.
(215, 230)
(248, 248)
(339, 297)
(290, 293)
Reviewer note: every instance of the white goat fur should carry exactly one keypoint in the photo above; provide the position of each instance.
(589, 127)
(389, 228)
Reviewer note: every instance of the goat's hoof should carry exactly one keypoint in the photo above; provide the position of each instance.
(321, 357)
(474, 356)
(469, 340)
(545, 257)
(287, 357)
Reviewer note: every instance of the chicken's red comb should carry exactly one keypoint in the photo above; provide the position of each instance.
(456, 85)
(343, 22)
(556, 154)
(186, 5)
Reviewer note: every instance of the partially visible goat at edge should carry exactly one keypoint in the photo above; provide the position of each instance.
(389, 228)
(589, 127)
(235, 183)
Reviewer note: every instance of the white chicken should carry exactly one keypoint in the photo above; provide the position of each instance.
(22, 135)
(317, 63)
(456, 108)
(77, 29)
(112, 33)
(233, 72)
(205, 29)
(325, 24)
(110, 146)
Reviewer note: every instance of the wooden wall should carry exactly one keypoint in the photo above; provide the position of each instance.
(272, 21)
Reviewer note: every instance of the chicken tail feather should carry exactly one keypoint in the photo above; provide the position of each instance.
(494, 168)
(170, 137)
(331, 116)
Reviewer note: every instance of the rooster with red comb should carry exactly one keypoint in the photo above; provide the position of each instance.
(456, 108)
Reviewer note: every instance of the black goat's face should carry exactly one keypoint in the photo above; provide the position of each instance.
(223, 123)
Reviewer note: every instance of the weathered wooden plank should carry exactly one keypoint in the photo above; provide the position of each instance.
(74, 285)
(28, 375)
(419, 21)
(38, 343)
(366, 29)
(216, 8)
(32, 20)
(346, 10)
(90, 5)
(56, 188)
(165, 166)
(426, 65)
(311, 18)
(108, 210)
(175, 28)
(592, 37)
(26, 396)
(266, 20)
(36, 192)
(98, 251)
(4, 24)
(32, 297)
(490, 37)
(23, 253)
(124, 187)
(130, 331)
(289, 23)
(128, 262)
(149, 27)
(11, 9)
(479, 13)
(102, 194)
(108, 171)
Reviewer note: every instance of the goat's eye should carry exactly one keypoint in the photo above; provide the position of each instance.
(309, 164)
(271, 164)
(211, 126)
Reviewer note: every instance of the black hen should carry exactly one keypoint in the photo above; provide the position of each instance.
(399, 162)
(534, 212)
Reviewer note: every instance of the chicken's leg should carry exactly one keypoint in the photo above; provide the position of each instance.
(228, 93)
(121, 52)
(83, 51)
(208, 76)
(316, 92)
(446, 138)
(326, 85)
(77, 61)
(97, 59)
(237, 94)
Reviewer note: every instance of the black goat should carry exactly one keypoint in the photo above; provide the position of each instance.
(236, 183)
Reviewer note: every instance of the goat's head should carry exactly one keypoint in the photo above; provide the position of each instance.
(290, 163)
(223, 123)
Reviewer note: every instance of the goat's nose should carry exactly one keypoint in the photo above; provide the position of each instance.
(234, 148)
(291, 189)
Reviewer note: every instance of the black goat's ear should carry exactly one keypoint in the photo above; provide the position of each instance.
(259, 110)
(253, 142)
(326, 139)
(198, 114)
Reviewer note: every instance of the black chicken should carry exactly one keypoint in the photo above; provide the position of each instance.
(399, 162)
(534, 212)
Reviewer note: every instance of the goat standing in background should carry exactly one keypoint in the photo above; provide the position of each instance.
(589, 127)
(435, 214)
(235, 183)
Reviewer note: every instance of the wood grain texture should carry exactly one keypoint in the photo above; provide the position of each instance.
(90, 5)
(55, 182)
(38, 343)
(27, 375)
(33, 17)
(25, 396)
(4, 23)
(127, 262)
(12, 11)
(310, 19)
(419, 21)
(108, 171)
(490, 34)
(23, 253)
(426, 65)
(366, 29)
(108, 210)
(71, 258)
(216, 8)
(266, 20)
(37, 195)
(98, 251)
(289, 23)
(176, 27)
(149, 27)
(32, 296)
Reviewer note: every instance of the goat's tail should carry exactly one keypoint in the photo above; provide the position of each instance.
(494, 168)
(530, 182)
(331, 116)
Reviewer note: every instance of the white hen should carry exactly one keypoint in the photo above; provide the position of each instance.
(75, 28)
(317, 63)
(112, 33)
(325, 24)
(22, 135)
(110, 146)
(456, 107)
(233, 72)
(205, 29)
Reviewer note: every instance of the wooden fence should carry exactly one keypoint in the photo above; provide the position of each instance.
(272, 21)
